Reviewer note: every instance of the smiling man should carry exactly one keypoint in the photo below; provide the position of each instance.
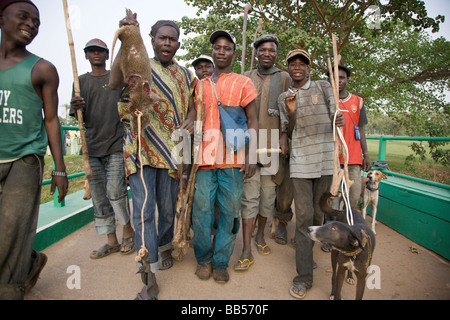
(220, 175)
(28, 86)
(306, 112)
(260, 191)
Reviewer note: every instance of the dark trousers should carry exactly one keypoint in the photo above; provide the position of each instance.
(20, 193)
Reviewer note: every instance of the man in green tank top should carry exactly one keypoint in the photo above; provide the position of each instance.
(28, 86)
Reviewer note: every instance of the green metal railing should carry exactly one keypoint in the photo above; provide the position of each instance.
(382, 157)
(71, 176)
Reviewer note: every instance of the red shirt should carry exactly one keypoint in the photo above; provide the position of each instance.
(354, 105)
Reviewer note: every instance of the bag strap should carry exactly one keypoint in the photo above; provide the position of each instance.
(215, 92)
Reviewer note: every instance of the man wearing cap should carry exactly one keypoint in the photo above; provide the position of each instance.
(175, 85)
(260, 191)
(221, 175)
(28, 86)
(104, 139)
(306, 113)
(354, 136)
(204, 66)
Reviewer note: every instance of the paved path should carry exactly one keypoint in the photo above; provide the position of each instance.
(408, 272)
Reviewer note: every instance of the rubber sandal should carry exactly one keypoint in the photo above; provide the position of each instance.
(129, 243)
(169, 265)
(104, 251)
(281, 236)
(263, 250)
(301, 291)
(243, 265)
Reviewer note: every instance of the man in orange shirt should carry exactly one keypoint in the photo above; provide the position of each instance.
(221, 171)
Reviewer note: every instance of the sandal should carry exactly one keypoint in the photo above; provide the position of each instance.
(127, 243)
(263, 250)
(298, 291)
(164, 259)
(242, 265)
(104, 251)
(281, 236)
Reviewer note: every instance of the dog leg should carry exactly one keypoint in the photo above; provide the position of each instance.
(374, 215)
(274, 228)
(339, 282)
(364, 211)
(360, 285)
(334, 260)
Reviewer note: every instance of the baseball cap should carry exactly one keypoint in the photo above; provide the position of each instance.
(222, 33)
(5, 3)
(298, 52)
(202, 58)
(96, 43)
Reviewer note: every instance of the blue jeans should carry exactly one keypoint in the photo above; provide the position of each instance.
(227, 185)
(162, 191)
(20, 195)
(109, 192)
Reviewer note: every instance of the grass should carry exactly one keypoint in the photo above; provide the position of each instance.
(74, 164)
(396, 153)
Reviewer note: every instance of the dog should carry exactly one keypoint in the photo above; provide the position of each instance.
(352, 246)
(87, 190)
(369, 193)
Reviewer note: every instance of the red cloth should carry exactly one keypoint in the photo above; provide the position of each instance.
(353, 104)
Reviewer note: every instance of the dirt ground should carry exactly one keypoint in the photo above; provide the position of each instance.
(405, 270)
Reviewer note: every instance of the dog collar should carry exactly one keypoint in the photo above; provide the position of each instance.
(364, 241)
(370, 188)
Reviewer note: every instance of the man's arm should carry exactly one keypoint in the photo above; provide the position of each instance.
(45, 79)
(116, 81)
(252, 123)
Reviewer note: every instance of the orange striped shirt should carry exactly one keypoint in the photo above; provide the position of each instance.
(232, 90)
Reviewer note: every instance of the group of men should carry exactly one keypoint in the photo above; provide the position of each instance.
(285, 109)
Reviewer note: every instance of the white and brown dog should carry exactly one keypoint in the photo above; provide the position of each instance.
(369, 193)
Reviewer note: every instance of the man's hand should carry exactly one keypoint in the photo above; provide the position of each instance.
(63, 186)
(248, 168)
(77, 103)
(340, 120)
(290, 101)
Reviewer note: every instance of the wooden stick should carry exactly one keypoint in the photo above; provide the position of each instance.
(258, 30)
(247, 10)
(76, 88)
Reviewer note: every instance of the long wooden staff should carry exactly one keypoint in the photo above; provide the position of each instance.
(258, 30)
(247, 10)
(76, 88)
(338, 144)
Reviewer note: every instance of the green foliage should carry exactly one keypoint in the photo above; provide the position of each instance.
(397, 69)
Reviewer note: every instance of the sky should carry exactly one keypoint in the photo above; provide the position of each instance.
(100, 19)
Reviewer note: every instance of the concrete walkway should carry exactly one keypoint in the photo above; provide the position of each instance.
(407, 272)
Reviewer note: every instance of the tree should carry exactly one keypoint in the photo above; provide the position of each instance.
(397, 67)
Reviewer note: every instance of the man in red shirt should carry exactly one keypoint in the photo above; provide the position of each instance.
(354, 135)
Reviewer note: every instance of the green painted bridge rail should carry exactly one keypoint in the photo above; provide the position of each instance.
(418, 209)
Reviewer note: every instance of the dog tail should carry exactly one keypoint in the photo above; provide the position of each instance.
(324, 204)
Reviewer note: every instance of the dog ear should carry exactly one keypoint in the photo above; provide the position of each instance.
(355, 239)
(383, 176)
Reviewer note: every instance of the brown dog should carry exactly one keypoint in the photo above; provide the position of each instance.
(369, 193)
(87, 190)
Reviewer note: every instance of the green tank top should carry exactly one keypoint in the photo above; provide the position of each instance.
(22, 130)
